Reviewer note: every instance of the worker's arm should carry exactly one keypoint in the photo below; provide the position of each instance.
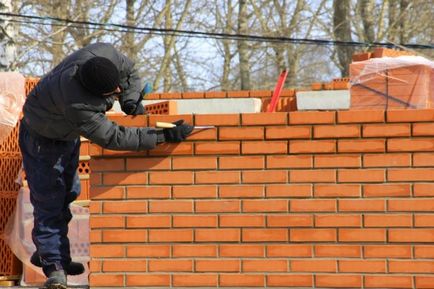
(98, 129)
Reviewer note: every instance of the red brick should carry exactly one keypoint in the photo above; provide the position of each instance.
(95, 207)
(194, 192)
(198, 221)
(312, 205)
(170, 265)
(264, 118)
(338, 251)
(148, 280)
(362, 205)
(423, 159)
(104, 165)
(171, 95)
(308, 117)
(195, 280)
(171, 206)
(241, 250)
(119, 236)
(424, 252)
(338, 220)
(289, 250)
(260, 93)
(337, 161)
(217, 177)
(193, 95)
(292, 280)
(242, 221)
(217, 148)
(183, 251)
(107, 193)
(361, 146)
(313, 265)
(172, 149)
(95, 236)
(288, 132)
(214, 265)
(242, 162)
(338, 281)
(217, 235)
(403, 175)
(362, 235)
(194, 163)
(336, 190)
(95, 179)
(386, 130)
(217, 119)
(148, 251)
(260, 147)
(410, 145)
(387, 160)
(361, 175)
(203, 134)
(147, 164)
(101, 280)
(240, 280)
(315, 146)
(125, 207)
(387, 281)
(254, 177)
(423, 190)
(107, 251)
(257, 206)
(238, 93)
(361, 116)
(386, 190)
(215, 94)
(362, 266)
(163, 178)
(170, 235)
(148, 221)
(124, 265)
(414, 205)
(410, 115)
(313, 235)
(241, 133)
(423, 129)
(336, 131)
(286, 161)
(424, 220)
(95, 266)
(388, 220)
(411, 235)
(265, 265)
(106, 222)
(387, 251)
(218, 206)
(241, 191)
(404, 266)
(148, 192)
(139, 178)
(288, 190)
(424, 282)
(290, 220)
(312, 176)
(265, 235)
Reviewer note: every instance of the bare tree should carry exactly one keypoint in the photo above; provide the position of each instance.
(342, 32)
(242, 45)
(7, 39)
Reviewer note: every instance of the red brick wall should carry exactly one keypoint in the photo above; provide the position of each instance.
(301, 199)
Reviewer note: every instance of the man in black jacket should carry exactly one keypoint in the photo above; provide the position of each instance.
(69, 102)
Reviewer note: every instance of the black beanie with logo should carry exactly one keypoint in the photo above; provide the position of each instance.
(99, 75)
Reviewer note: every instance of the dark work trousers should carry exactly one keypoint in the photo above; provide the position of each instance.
(51, 171)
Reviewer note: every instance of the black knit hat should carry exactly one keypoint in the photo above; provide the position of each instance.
(99, 75)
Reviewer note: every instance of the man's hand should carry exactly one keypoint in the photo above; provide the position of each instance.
(177, 133)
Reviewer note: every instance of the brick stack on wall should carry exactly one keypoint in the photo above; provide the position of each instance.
(300, 199)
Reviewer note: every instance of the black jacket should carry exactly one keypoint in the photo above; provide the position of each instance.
(60, 108)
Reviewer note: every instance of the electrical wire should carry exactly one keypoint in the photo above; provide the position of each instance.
(201, 34)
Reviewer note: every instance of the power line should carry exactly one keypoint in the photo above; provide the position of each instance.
(201, 34)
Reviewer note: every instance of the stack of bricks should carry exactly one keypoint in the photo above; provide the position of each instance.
(337, 84)
(392, 86)
(302, 199)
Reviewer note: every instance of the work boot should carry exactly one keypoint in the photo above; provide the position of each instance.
(73, 268)
(56, 280)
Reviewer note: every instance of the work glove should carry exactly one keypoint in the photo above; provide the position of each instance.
(175, 134)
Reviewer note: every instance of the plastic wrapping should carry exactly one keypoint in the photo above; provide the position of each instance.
(12, 97)
(405, 82)
(19, 238)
